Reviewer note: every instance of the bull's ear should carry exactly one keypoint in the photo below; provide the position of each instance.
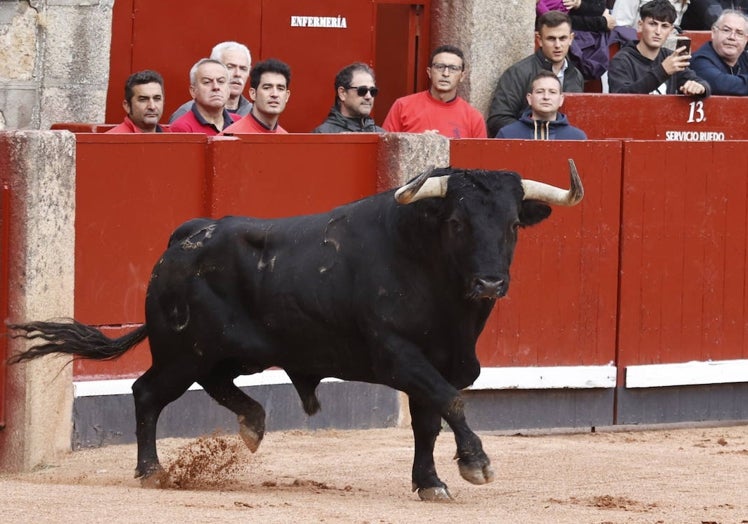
(533, 211)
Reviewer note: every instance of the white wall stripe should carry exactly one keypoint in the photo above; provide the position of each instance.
(490, 378)
(687, 373)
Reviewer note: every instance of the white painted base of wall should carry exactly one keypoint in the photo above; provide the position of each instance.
(549, 377)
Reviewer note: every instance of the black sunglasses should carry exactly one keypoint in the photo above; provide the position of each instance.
(362, 90)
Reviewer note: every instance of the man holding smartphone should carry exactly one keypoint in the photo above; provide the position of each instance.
(646, 66)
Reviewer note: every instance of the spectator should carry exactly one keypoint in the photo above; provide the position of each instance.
(595, 30)
(143, 103)
(626, 12)
(355, 90)
(723, 62)
(543, 6)
(438, 109)
(554, 38)
(542, 121)
(645, 66)
(702, 14)
(236, 58)
(209, 87)
(269, 83)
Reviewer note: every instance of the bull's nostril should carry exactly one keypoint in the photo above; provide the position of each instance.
(489, 287)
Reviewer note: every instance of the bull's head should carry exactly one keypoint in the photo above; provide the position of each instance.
(480, 227)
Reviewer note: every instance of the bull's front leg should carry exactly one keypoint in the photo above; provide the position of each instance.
(426, 423)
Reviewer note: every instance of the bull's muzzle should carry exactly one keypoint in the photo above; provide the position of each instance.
(488, 288)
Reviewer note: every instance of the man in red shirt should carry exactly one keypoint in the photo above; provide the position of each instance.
(269, 83)
(438, 109)
(143, 103)
(209, 87)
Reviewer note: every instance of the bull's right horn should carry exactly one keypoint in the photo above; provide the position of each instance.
(422, 187)
(555, 195)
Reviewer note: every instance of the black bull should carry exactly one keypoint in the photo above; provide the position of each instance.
(374, 291)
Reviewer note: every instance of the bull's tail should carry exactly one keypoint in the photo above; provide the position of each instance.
(72, 338)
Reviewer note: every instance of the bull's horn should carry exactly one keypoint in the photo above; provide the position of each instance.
(555, 195)
(422, 187)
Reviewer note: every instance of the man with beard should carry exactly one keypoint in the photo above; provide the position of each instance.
(209, 87)
(238, 61)
(438, 109)
(269, 83)
(355, 89)
(143, 103)
(723, 61)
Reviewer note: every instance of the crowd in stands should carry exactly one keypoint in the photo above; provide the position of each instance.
(573, 40)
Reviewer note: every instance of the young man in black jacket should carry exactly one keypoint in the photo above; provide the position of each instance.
(645, 66)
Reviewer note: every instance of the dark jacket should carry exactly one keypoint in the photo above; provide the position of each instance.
(530, 129)
(337, 123)
(589, 16)
(510, 97)
(632, 72)
(723, 79)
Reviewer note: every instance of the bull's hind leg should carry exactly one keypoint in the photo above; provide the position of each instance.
(306, 387)
(250, 413)
(152, 392)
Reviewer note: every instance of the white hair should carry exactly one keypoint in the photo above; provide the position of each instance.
(219, 49)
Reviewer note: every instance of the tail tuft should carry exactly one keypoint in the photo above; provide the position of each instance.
(72, 338)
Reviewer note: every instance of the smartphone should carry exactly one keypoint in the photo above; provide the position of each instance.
(682, 41)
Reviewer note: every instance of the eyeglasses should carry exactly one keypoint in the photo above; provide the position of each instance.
(362, 90)
(443, 67)
(728, 31)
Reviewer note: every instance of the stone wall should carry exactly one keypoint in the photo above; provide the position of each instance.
(54, 61)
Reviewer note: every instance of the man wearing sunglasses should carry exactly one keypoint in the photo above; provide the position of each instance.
(438, 109)
(355, 89)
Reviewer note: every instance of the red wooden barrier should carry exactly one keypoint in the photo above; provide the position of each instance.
(652, 117)
(133, 190)
(684, 247)
(561, 306)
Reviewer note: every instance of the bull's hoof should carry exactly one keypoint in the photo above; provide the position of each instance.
(437, 494)
(475, 474)
(156, 479)
(250, 437)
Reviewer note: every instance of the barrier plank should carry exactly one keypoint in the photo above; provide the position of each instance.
(683, 245)
(652, 117)
(561, 306)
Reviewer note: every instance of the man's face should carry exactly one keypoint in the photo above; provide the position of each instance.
(238, 65)
(271, 95)
(555, 42)
(545, 98)
(446, 72)
(729, 38)
(146, 106)
(654, 32)
(211, 89)
(351, 104)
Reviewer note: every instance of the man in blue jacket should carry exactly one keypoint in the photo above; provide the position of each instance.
(723, 61)
(542, 121)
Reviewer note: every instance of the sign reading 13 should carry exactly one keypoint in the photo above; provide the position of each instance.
(696, 112)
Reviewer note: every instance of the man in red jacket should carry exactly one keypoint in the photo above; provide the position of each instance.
(143, 103)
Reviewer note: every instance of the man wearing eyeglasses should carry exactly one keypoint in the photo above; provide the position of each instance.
(723, 61)
(438, 109)
(355, 89)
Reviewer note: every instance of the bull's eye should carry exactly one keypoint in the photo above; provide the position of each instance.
(456, 226)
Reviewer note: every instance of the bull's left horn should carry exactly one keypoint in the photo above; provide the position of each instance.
(422, 187)
(555, 195)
